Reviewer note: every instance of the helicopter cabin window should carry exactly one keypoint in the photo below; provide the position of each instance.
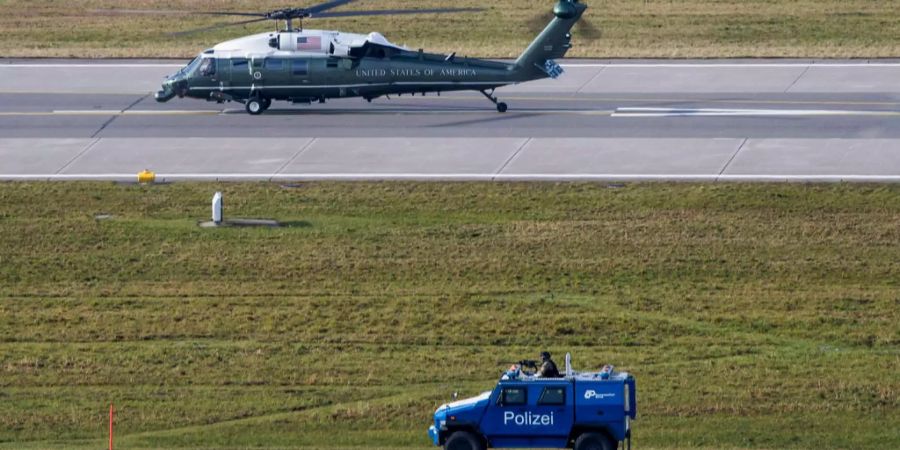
(239, 63)
(208, 67)
(274, 64)
(300, 67)
(331, 63)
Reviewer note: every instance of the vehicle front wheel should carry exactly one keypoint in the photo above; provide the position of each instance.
(594, 441)
(255, 107)
(501, 107)
(463, 440)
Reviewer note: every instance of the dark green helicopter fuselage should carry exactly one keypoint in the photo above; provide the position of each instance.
(369, 71)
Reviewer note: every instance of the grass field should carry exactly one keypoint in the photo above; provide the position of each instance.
(754, 316)
(628, 28)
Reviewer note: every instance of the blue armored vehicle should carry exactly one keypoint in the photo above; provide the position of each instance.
(584, 411)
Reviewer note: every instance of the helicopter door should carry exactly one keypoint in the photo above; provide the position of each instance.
(276, 71)
(240, 72)
(300, 71)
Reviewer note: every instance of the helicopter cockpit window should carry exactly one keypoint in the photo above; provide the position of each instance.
(191, 67)
(208, 67)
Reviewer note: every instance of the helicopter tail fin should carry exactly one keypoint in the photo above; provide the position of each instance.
(537, 60)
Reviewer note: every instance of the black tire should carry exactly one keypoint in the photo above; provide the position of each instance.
(255, 107)
(501, 107)
(594, 441)
(463, 440)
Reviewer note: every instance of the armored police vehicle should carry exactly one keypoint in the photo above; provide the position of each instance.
(584, 411)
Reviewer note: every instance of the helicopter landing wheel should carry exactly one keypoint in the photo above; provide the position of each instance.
(255, 106)
(501, 107)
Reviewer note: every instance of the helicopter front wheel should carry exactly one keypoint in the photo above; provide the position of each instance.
(255, 106)
(501, 107)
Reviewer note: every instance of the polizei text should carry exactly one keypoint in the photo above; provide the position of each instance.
(527, 418)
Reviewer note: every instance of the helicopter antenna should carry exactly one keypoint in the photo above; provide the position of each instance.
(288, 15)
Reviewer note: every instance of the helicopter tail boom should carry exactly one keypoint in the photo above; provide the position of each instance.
(537, 60)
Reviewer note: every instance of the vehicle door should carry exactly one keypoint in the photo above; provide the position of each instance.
(208, 73)
(276, 72)
(503, 421)
(553, 412)
(240, 73)
(299, 71)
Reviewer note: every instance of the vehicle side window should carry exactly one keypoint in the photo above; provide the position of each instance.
(513, 396)
(274, 64)
(208, 67)
(239, 63)
(300, 67)
(553, 395)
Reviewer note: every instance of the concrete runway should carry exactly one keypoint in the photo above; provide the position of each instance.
(603, 120)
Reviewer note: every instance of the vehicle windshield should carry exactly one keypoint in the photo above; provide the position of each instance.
(191, 67)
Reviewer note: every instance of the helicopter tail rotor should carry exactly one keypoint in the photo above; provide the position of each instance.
(554, 41)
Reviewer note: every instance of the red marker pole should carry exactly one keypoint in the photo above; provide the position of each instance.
(110, 426)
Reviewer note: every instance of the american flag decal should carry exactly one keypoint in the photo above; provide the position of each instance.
(309, 43)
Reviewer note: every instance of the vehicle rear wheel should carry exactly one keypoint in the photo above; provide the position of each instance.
(501, 107)
(255, 107)
(594, 441)
(463, 440)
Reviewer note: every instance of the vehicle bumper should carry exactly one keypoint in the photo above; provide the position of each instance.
(434, 435)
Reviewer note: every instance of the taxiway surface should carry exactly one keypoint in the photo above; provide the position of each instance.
(604, 120)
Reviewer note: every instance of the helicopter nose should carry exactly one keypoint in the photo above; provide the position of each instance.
(167, 92)
(173, 86)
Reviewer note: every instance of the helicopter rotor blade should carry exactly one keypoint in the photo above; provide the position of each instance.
(169, 12)
(539, 21)
(149, 12)
(586, 28)
(393, 12)
(217, 26)
(322, 7)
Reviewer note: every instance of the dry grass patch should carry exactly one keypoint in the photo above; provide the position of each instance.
(630, 28)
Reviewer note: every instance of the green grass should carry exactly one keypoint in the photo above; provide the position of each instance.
(754, 316)
(628, 28)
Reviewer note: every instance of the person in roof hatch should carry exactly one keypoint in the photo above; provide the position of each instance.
(548, 367)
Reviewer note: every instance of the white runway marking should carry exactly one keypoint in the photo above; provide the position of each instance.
(718, 112)
(163, 177)
(701, 65)
(287, 112)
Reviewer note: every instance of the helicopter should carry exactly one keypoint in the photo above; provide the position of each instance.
(303, 66)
